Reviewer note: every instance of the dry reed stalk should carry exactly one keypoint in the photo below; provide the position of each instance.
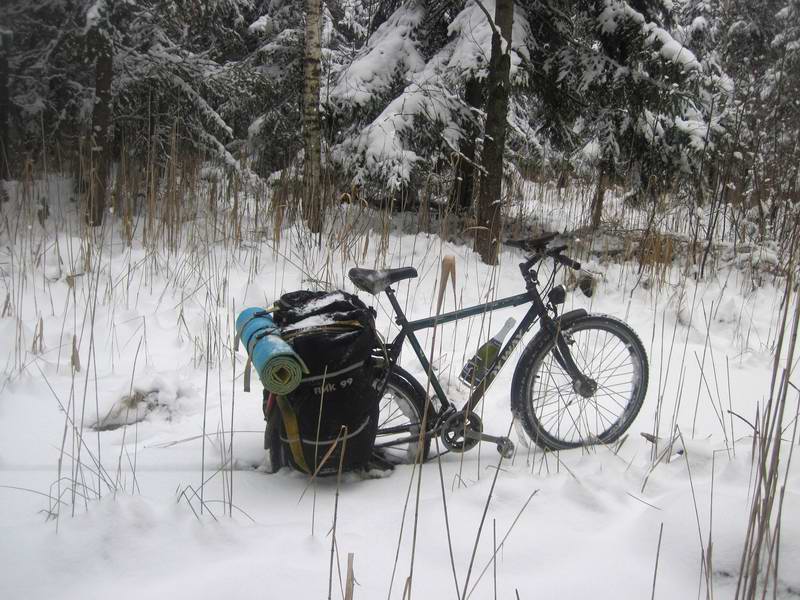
(205, 415)
(343, 435)
(447, 272)
(446, 516)
(402, 528)
(483, 519)
(655, 568)
(350, 580)
(494, 557)
(763, 529)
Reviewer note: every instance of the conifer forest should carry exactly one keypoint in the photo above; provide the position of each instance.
(592, 206)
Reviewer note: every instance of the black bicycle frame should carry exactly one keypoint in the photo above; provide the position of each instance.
(537, 311)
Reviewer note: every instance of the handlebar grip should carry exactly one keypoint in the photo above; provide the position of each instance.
(568, 262)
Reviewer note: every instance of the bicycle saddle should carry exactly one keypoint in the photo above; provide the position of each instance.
(375, 282)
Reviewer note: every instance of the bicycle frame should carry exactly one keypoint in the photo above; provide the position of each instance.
(537, 312)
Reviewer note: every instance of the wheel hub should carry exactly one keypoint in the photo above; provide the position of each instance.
(585, 387)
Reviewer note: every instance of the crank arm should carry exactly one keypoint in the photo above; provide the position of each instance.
(504, 445)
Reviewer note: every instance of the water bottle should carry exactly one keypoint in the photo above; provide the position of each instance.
(476, 367)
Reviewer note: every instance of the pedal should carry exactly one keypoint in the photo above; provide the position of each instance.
(505, 447)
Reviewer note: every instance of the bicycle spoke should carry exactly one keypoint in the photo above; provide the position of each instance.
(569, 418)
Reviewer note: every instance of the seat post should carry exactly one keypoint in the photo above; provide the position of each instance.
(400, 317)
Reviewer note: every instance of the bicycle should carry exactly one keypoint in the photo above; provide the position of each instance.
(567, 390)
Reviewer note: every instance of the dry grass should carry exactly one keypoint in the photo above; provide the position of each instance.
(183, 228)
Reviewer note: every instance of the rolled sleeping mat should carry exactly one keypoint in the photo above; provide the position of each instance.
(252, 321)
(278, 366)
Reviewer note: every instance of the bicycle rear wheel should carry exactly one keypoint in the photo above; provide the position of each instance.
(548, 406)
(400, 420)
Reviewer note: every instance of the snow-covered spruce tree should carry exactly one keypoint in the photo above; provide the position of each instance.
(375, 101)
(217, 28)
(50, 87)
(164, 83)
(699, 28)
(761, 51)
(599, 79)
(641, 122)
(217, 33)
(175, 63)
(397, 107)
(471, 37)
(277, 36)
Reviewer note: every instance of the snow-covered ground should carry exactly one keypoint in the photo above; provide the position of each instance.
(124, 519)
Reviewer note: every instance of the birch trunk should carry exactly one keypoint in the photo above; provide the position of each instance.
(313, 207)
(487, 239)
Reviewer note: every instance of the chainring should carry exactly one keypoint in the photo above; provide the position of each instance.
(452, 434)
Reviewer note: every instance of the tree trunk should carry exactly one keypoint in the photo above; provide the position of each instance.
(464, 185)
(313, 208)
(101, 125)
(5, 106)
(599, 197)
(487, 238)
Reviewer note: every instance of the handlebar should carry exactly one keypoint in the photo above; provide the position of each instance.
(555, 254)
(568, 262)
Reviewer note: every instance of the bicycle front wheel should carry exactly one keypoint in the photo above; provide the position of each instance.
(546, 402)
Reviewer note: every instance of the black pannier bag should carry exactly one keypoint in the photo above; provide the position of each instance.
(334, 333)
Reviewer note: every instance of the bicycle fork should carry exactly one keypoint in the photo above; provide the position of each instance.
(583, 385)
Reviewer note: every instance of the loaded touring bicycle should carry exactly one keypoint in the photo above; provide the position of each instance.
(581, 380)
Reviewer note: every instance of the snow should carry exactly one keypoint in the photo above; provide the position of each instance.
(428, 101)
(390, 54)
(696, 129)
(587, 522)
(321, 302)
(670, 49)
(93, 14)
(615, 12)
(383, 145)
(592, 151)
(472, 44)
(309, 322)
(262, 25)
(699, 24)
(354, 15)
